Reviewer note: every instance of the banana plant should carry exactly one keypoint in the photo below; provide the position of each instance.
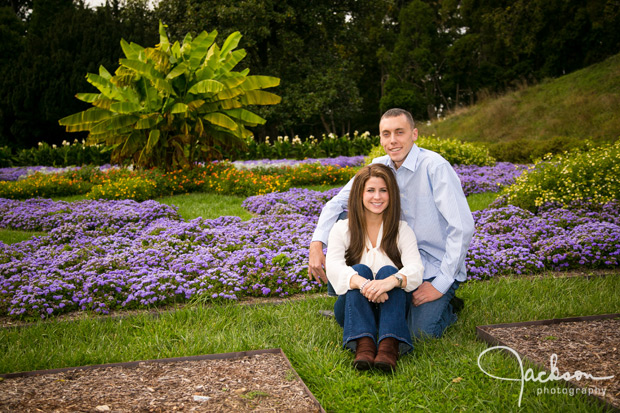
(173, 105)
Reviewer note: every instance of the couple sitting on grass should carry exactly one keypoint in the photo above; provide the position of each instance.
(398, 259)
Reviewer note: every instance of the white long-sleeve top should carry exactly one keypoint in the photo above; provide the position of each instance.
(339, 273)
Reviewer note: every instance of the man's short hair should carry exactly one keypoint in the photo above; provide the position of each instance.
(395, 112)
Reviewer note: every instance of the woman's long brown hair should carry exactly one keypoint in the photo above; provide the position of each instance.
(357, 218)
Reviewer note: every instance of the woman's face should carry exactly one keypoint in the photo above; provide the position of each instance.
(376, 198)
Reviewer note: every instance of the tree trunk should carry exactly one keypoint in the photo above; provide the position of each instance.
(325, 124)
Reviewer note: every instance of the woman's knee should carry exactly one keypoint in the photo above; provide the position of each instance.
(363, 270)
(386, 271)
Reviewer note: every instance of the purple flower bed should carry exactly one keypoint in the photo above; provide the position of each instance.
(20, 172)
(13, 174)
(507, 240)
(103, 255)
(294, 201)
(513, 240)
(478, 179)
(123, 254)
(44, 214)
(340, 161)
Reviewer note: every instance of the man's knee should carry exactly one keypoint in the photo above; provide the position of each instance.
(430, 320)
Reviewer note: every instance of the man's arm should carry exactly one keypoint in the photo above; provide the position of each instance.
(452, 204)
(327, 219)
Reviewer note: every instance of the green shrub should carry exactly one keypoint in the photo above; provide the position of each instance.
(137, 188)
(593, 174)
(67, 154)
(326, 146)
(6, 157)
(454, 151)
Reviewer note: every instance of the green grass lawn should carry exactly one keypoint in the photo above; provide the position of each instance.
(441, 374)
(10, 236)
(580, 104)
(208, 206)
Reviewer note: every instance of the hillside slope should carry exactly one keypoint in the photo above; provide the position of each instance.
(585, 103)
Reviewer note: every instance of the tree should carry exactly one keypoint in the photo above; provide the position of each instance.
(173, 105)
(418, 60)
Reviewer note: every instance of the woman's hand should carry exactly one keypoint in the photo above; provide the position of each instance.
(376, 290)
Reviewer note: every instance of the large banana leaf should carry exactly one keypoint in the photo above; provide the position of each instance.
(245, 116)
(259, 82)
(206, 86)
(233, 80)
(179, 108)
(103, 72)
(117, 122)
(104, 85)
(230, 103)
(147, 69)
(232, 59)
(230, 43)
(164, 87)
(153, 139)
(125, 107)
(147, 123)
(204, 73)
(164, 43)
(220, 119)
(178, 70)
(213, 57)
(229, 93)
(88, 97)
(131, 50)
(85, 119)
(259, 97)
(200, 46)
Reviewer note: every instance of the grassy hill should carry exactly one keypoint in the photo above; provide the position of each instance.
(582, 104)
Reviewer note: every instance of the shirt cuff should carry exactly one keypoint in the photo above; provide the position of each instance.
(442, 283)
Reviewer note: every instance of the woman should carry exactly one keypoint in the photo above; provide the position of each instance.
(373, 264)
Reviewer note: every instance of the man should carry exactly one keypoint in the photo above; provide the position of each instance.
(434, 206)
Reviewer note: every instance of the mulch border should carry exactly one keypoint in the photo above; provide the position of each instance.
(133, 364)
(492, 340)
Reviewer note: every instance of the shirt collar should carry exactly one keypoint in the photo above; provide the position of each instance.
(410, 161)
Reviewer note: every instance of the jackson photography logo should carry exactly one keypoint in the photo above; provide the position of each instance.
(554, 375)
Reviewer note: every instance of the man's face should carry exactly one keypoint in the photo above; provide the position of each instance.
(397, 138)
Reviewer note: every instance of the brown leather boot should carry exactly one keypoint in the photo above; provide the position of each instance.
(387, 355)
(365, 353)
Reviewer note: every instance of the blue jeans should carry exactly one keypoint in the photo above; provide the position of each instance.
(360, 318)
(433, 318)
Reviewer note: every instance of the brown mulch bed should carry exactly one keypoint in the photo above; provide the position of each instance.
(263, 382)
(591, 346)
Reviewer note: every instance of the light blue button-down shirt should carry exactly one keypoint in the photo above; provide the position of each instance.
(434, 206)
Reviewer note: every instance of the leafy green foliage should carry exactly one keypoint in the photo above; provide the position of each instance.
(453, 150)
(172, 104)
(67, 154)
(594, 175)
(137, 188)
(326, 146)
